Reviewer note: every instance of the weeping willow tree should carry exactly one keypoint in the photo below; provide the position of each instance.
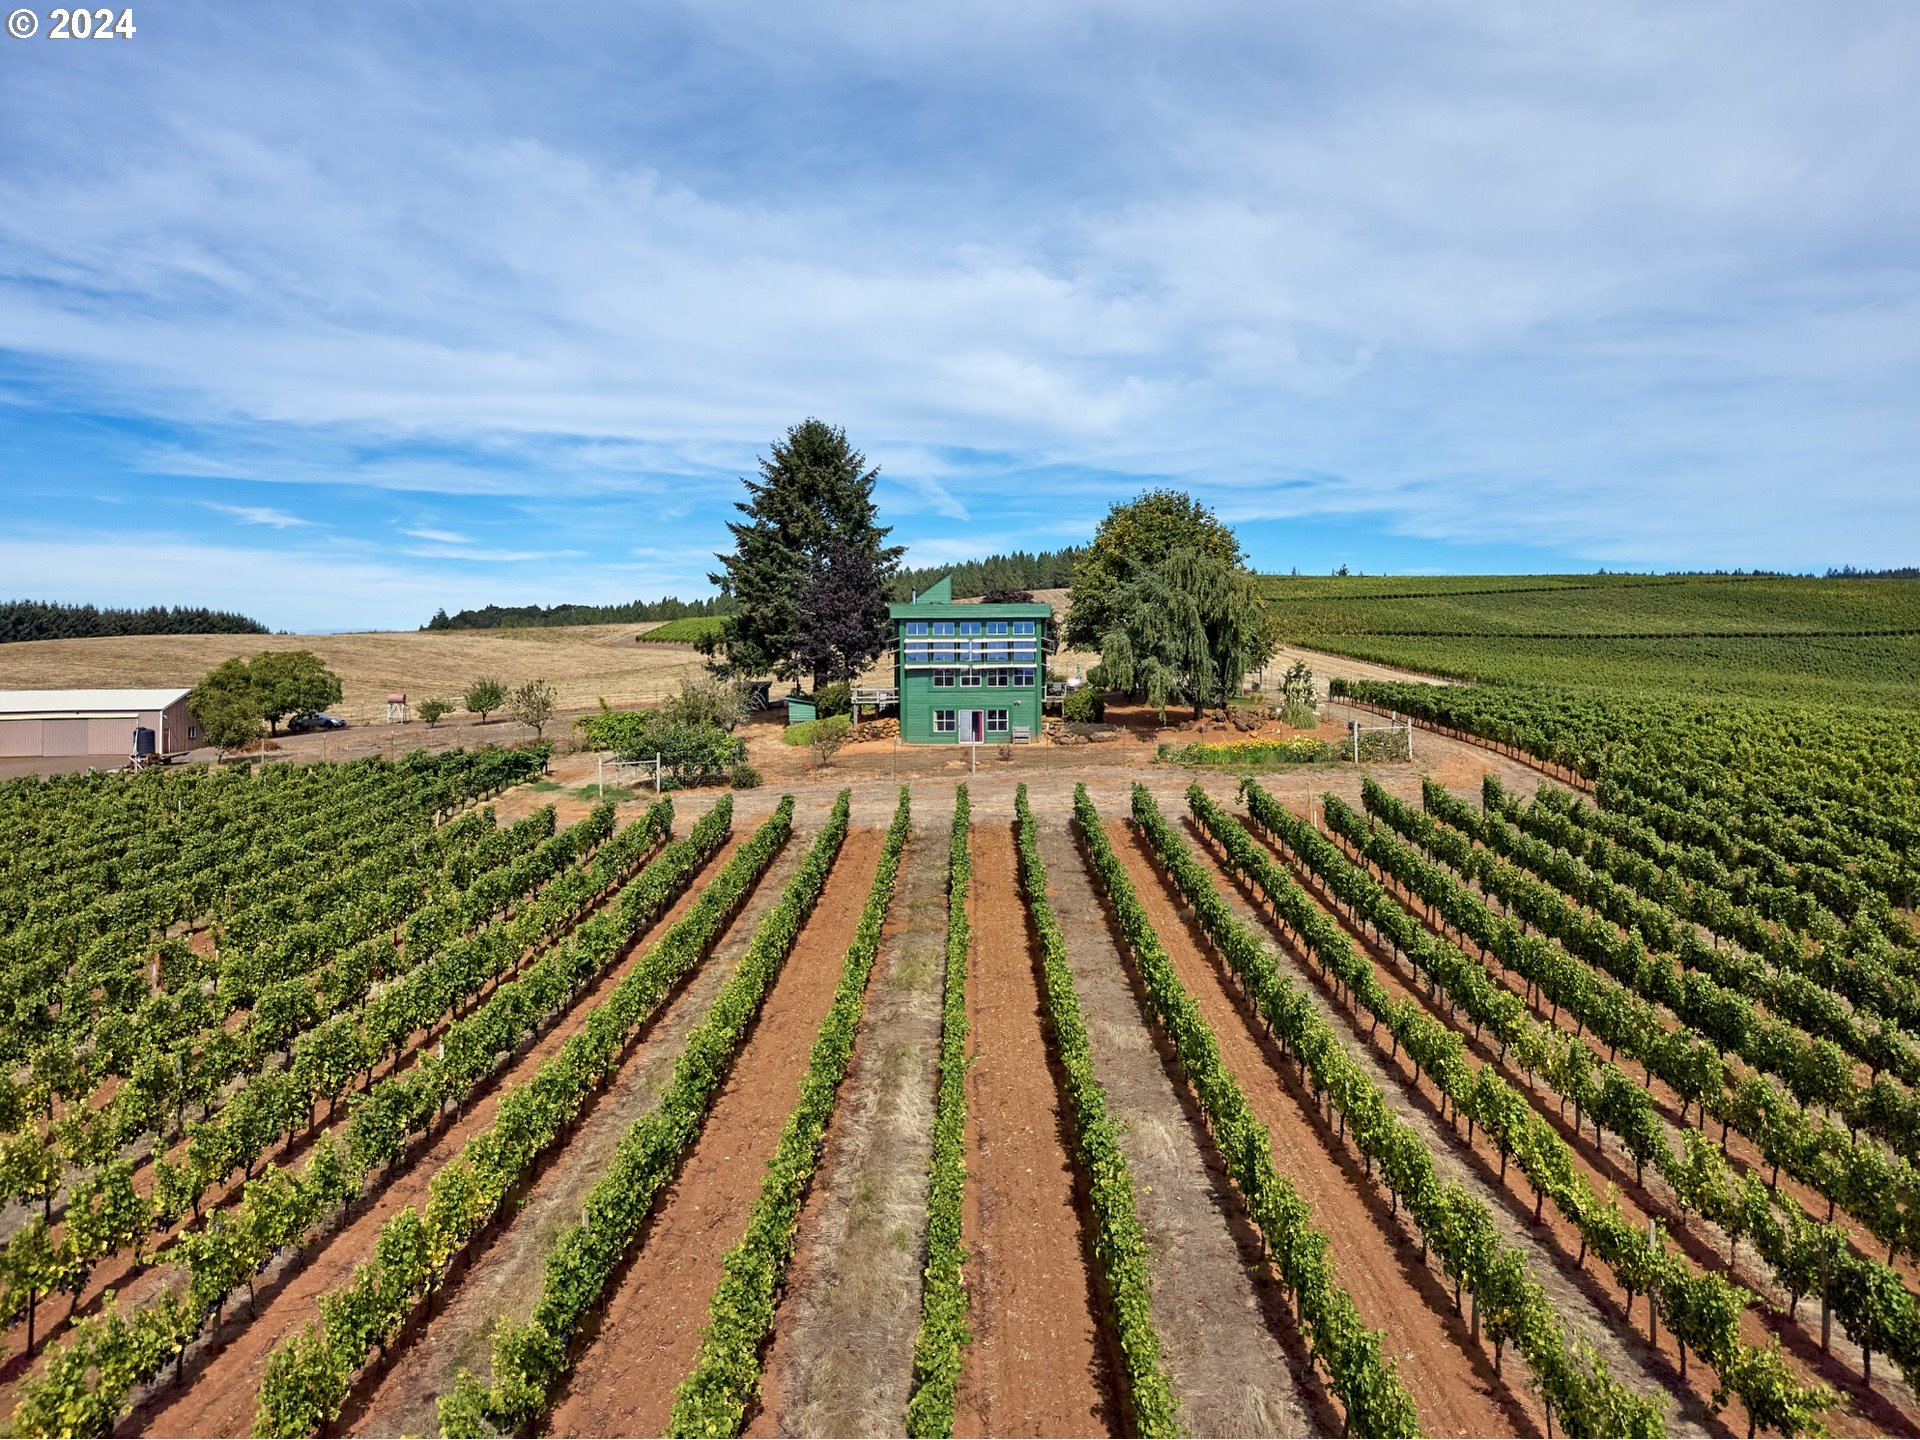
(1186, 629)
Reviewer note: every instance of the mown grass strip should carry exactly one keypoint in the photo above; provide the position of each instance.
(1367, 1384)
(725, 1378)
(943, 1334)
(308, 1377)
(1120, 1244)
(531, 1359)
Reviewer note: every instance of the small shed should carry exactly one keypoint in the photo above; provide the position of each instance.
(801, 708)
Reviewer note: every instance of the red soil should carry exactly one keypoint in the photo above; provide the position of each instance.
(1449, 1376)
(1037, 1364)
(221, 1394)
(649, 1332)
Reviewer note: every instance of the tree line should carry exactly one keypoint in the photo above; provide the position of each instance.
(1021, 570)
(49, 620)
(506, 617)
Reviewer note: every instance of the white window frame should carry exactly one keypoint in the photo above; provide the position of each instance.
(946, 722)
(1023, 627)
(1003, 725)
(916, 627)
(1025, 676)
(970, 679)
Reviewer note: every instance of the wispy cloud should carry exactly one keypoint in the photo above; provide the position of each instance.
(255, 514)
(442, 537)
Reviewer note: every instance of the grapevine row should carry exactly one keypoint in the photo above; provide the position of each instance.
(1119, 1244)
(307, 1378)
(725, 1378)
(943, 1333)
(1367, 1384)
(85, 1382)
(530, 1359)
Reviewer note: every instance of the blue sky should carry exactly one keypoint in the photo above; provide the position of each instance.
(334, 314)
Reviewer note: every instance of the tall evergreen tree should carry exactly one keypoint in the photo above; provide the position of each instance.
(814, 495)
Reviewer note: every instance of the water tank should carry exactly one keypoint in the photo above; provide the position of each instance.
(143, 740)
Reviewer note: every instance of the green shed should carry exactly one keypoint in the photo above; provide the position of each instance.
(969, 672)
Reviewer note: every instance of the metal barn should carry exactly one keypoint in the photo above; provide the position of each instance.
(94, 722)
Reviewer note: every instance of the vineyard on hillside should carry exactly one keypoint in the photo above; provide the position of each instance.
(336, 1104)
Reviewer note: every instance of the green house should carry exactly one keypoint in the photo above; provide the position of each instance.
(972, 672)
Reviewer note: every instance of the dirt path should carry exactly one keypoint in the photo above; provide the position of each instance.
(650, 1328)
(504, 1276)
(221, 1392)
(841, 1362)
(1222, 1320)
(1038, 1364)
(1449, 1376)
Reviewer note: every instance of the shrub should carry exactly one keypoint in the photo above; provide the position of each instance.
(627, 731)
(829, 734)
(1084, 706)
(484, 696)
(800, 734)
(744, 777)
(693, 754)
(434, 709)
(834, 699)
(1300, 716)
(704, 700)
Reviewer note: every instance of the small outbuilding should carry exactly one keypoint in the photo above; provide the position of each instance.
(94, 722)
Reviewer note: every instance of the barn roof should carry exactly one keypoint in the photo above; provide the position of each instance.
(84, 702)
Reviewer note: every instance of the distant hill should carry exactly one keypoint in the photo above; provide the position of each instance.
(46, 620)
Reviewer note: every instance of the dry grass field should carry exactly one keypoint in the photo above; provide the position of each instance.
(582, 662)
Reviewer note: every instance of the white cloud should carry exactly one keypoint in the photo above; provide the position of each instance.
(255, 514)
(1636, 287)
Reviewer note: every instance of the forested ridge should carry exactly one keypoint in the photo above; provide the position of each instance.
(47, 620)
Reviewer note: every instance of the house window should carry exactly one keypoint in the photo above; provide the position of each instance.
(996, 720)
(971, 678)
(996, 627)
(969, 627)
(916, 627)
(943, 722)
(1025, 677)
(943, 627)
(193, 732)
(943, 679)
(998, 678)
(1023, 627)
(942, 650)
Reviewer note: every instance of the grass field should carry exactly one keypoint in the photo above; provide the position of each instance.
(582, 662)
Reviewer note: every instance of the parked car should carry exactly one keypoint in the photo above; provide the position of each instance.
(314, 720)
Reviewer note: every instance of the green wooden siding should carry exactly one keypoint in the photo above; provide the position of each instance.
(919, 699)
